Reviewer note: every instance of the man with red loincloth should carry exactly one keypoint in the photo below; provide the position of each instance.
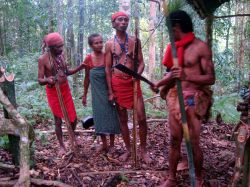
(196, 72)
(51, 69)
(119, 49)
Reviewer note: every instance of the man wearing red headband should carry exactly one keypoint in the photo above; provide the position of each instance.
(120, 49)
(51, 69)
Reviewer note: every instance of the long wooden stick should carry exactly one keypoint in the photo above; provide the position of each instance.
(66, 118)
(181, 102)
(135, 86)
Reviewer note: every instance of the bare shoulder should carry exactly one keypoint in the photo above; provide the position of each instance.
(108, 44)
(43, 58)
(203, 47)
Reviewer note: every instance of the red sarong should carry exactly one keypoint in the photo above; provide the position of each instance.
(123, 90)
(54, 104)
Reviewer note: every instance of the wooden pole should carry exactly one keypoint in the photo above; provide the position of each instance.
(66, 118)
(135, 87)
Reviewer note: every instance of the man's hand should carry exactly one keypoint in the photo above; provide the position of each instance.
(177, 72)
(154, 87)
(84, 101)
(111, 97)
(51, 80)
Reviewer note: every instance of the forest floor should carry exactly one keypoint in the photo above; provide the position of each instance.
(92, 170)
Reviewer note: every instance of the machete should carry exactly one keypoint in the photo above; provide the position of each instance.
(128, 71)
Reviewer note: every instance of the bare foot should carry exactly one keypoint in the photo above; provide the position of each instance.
(146, 158)
(102, 150)
(199, 182)
(124, 157)
(183, 165)
(111, 150)
(62, 151)
(169, 183)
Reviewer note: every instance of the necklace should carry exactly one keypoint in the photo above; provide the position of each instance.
(123, 46)
(59, 66)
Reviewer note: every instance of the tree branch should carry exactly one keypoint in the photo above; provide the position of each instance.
(229, 16)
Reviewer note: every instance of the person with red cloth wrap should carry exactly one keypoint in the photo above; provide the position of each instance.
(52, 68)
(119, 49)
(196, 73)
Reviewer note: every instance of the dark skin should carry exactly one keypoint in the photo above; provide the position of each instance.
(196, 73)
(120, 24)
(45, 77)
(98, 61)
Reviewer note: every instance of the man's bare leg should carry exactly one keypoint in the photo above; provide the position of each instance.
(174, 152)
(58, 130)
(195, 127)
(143, 131)
(104, 147)
(123, 116)
(111, 143)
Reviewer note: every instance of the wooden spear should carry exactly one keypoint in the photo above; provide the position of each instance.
(135, 86)
(180, 97)
(66, 118)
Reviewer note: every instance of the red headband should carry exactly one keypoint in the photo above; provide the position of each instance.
(53, 39)
(117, 14)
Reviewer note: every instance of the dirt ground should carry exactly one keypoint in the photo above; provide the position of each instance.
(91, 169)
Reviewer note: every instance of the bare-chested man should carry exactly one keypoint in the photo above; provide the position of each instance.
(120, 50)
(51, 69)
(196, 73)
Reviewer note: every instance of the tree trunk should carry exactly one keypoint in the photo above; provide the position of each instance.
(70, 34)
(151, 63)
(22, 125)
(124, 6)
(81, 30)
(1, 35)
(209, 30)
(51, 16)
(59, 13)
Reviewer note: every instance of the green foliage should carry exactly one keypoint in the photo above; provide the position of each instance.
(226, 106)
(4, 142)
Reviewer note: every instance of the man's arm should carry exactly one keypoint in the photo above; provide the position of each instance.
(42, 80)
(75, 70)
(85, 87)
(207, 76)
(108, 66)
(141, 64)
(207, 66)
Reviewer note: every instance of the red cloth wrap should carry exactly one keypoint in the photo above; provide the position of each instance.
(123, 90)
(67, 98)
(168, 59)
(88, 61)
(53, 39)
(117, 14)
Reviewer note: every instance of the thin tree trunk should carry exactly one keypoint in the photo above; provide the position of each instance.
(51, 16)
(81, 30)
(151, 63)
(209, 30)
(124, 6)
(59, 13)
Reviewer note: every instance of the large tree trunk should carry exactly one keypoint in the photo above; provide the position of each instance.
(22, 125)
(240, 28)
